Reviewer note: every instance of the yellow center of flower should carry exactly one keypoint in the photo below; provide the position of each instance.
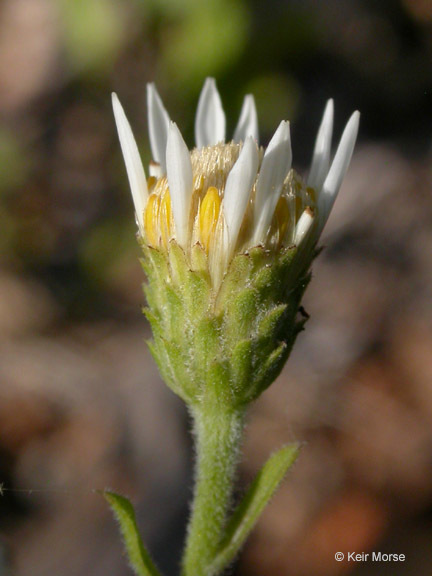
(211, 167)
(151, 219)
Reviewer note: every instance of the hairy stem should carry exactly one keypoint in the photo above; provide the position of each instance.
(218, 432)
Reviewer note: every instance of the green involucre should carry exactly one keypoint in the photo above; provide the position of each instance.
(234, 340)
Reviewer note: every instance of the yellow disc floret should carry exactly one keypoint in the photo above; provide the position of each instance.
(151, 220)
(211, 166)
(158, 219)
(208, 216)
(165, 219)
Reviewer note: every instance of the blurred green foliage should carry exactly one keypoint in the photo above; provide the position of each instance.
(205, 41)
(93, 32)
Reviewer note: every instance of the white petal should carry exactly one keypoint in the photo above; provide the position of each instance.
(210, 117)
(134, 167)
(303, 226)
(158, 121)
(338, 169)
(248, 121)
(321, 156)
(179, 173)
(155, 170)
(237, 191)
(274, 169)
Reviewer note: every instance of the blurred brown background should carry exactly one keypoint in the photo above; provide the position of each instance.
(81, 403)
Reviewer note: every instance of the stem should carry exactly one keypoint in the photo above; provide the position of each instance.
(217, 435)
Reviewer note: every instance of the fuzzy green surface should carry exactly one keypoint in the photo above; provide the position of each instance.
(234, 340)
(139, 558)
(217, 434)
(248, 511)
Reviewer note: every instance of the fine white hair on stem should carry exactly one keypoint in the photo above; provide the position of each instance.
(158, 123)
(237, 192)
(274, 169)
(248, 121)
(321, 155)
(132, 159)
(210, 117)
(338, 169)
(180, 181)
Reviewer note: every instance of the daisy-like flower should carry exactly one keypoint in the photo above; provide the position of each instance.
(229, 232)
(230, 197)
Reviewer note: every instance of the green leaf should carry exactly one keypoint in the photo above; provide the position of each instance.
(255, 500)
(139, 558)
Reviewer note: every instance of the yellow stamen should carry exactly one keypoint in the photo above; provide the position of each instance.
(165, 218)
(151, 181)
(151, 219)
(209, 214)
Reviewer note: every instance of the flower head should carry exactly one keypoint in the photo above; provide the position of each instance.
(230, 197)
(229, 231)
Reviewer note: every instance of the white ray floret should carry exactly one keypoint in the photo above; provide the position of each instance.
(237, 192)
(248, 121)
(327, 195)
(180, 180)
(210, 117)
(158, 122)
(321, 155)
(155, 169)
(274, 169)
(132, 159)
(303, 226)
